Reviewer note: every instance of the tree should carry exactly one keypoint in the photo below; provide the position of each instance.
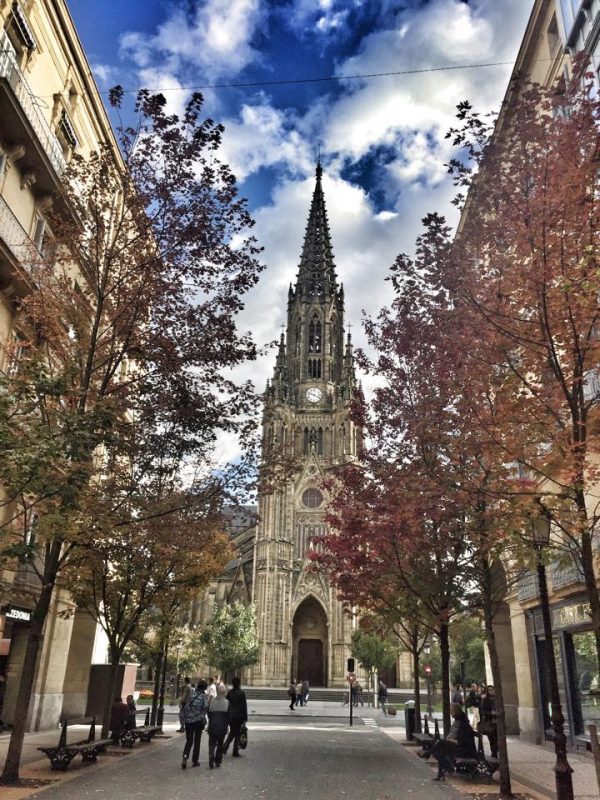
(231, 639)
(373, 652)
(526, 262)
(129, 320)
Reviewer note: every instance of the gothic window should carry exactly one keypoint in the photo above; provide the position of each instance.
(312, 498)
(306, 441)
(342, 440)
(320, 441)
(314, 335)
(297, 336)
(316, 283)
(314, 367)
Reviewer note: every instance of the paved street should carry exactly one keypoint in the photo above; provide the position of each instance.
(295, 758)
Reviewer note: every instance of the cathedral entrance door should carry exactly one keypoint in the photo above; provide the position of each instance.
(310, 633)
(310, 661)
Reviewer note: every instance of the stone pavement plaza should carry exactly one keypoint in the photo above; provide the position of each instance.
(307, 753)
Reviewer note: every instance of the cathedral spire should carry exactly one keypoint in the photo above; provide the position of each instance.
(316, 275)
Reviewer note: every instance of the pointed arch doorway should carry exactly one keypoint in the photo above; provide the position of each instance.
(310, 638)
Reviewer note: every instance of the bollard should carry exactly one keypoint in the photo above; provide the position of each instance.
(426, 726)
(436, 734)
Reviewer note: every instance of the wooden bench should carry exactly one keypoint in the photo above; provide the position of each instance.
(145, 733)
(62, 755)
(425, 739)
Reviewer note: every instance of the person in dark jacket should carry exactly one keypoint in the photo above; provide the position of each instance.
(292, 694)
(488, 719)
(460, 742)
(218, 722)
(131, 719)
(119, 715)
(194, 713)
(238, 716)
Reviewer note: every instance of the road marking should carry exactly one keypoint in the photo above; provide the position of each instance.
(370, 722)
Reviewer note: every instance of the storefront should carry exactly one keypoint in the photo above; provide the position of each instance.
(14, 631)
(575, 654)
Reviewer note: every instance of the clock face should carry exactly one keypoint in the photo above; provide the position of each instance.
(314, 395)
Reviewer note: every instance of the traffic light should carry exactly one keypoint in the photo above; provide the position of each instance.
(350, 665)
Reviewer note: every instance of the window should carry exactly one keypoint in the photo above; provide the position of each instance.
(314, 367)
(312, 498)
(569, 10)
(19, 32)
(553, 37)
(314, 335)
(42, 237)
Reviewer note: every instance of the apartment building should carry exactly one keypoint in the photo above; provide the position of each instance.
(50, 108)
(557, 31)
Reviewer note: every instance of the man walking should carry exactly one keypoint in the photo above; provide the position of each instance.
(195, 722)
(238, 715)
(212, 689)
(218, 721)
(292, 694)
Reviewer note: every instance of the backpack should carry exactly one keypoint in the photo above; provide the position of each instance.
(195, 709)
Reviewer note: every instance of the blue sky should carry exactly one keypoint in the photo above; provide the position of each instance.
(382, 140)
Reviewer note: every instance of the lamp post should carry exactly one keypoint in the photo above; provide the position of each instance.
(562, 769)
(427, 670)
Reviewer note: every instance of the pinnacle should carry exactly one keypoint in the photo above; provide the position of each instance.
(316, 275)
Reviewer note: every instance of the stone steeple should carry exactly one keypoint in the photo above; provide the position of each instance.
(316, 276)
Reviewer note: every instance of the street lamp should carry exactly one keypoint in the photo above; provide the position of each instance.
(562, 769)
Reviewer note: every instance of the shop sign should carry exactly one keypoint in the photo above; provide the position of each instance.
(20, 614)
(564, 617)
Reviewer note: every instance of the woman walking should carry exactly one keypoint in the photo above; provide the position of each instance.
(194, 714)
(218, 721)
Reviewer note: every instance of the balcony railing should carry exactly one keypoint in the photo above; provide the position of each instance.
(528, 587)
(14, 235)
(565, 574)
(11, 73)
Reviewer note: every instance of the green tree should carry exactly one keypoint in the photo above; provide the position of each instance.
(232, 640)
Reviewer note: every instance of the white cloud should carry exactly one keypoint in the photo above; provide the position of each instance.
(322, 16)
(217, 37)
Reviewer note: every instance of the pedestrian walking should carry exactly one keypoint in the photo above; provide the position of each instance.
(185, 695)
(457, 695)
(305, 692)
(195, 722)
(382, 696)
(238, 716)
(218, 722)
(119, 714)
(212, 687)
(131, 720)
(487, 726)
(292, 694)
(298, 689)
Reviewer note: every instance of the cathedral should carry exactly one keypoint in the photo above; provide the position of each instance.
(303, 628)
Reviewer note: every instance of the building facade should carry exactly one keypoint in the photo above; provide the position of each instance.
(557, 32)
(304, 630)
(50, 109)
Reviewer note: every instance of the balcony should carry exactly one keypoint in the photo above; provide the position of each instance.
(23, 122)
(528, 587)
(591, 385)
(17, 250)
(565, 573)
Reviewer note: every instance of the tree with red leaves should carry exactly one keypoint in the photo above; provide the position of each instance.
(129, 319)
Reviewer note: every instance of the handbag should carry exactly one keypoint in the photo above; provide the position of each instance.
(243, 737)
(486, 728)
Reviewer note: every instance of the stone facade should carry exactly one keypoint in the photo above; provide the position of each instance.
(304, 629)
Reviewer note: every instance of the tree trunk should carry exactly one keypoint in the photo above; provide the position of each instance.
(488, 613)
(591, 585)
(34, 642)
(417, 684)
(115, 657)
(157, 672)
(443, 636)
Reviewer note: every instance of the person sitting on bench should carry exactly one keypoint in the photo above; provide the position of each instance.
(460, 743)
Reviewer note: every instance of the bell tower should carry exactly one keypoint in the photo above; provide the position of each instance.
(304, 631)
